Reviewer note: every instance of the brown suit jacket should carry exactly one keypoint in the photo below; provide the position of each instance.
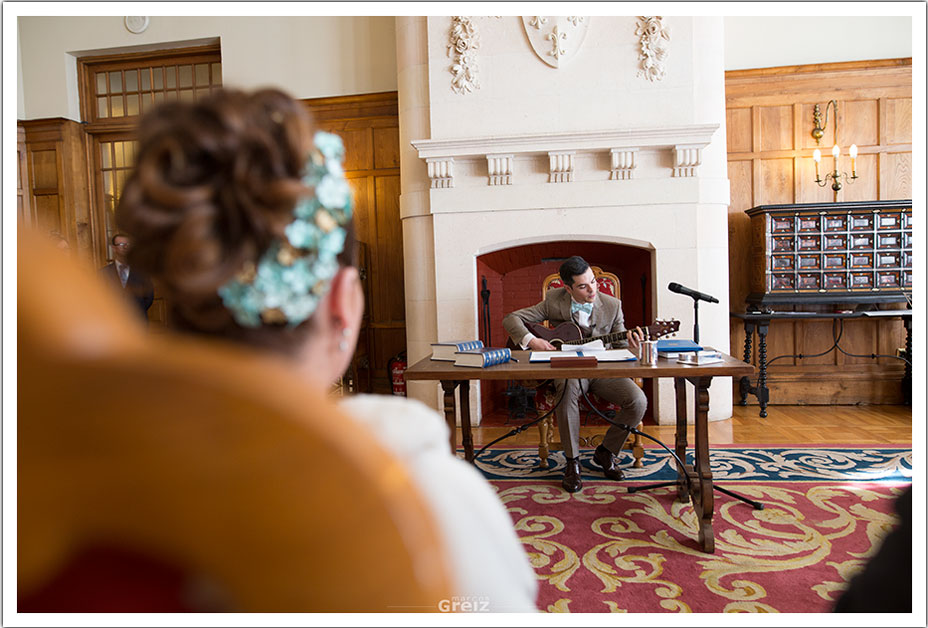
(607, 317)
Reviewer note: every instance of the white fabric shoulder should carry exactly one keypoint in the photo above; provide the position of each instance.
(488, 561)
(405, 426)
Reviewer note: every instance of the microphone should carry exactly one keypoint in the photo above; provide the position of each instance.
(675, 287)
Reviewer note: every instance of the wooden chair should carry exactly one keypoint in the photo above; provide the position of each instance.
(210, 459)
(545, 396)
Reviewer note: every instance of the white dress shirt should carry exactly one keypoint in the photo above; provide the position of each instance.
(123, 271)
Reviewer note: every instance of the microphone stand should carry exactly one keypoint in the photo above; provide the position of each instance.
(695, 320)
(485, 297)
(633, 489)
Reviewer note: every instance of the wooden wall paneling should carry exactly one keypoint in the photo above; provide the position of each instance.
(859, 123)
(773, 107)
(390, 256)
(739, 226)
(776, 181)
(895, 175)
(369, 127)
(738, 130)
(897, 121)
(776, 128)
(386, 147)
(814, 337)
(24, 213)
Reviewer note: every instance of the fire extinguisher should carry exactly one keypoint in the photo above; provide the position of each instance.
(397, 367)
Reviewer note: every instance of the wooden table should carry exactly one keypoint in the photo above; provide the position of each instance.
(700, 476)
(761, 322)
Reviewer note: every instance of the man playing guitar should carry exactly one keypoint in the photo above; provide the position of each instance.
(596, 314)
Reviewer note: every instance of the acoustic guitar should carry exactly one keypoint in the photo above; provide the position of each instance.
(570, 333)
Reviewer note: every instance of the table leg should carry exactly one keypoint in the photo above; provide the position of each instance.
(466, 436)
(907, 377)
(703, 499)
(745, 382)
(763, 393)
(448, 387)
(680, 441)
(544, 428)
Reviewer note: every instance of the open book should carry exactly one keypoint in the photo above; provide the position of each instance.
(603, 355)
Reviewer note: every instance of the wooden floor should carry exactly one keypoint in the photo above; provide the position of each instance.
(788, 425)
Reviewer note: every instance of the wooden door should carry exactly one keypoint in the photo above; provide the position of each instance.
(55, 194)
(369, 126)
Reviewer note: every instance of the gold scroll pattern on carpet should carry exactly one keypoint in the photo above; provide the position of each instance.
(749, 543)
(552, 561)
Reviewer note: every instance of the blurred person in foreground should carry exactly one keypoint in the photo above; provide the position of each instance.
(242, 212)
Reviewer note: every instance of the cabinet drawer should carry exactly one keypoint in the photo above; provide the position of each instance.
(835, 242)
(891, 240)
(887, 259)
(779, 282)
(836, 281)
(782, 262)
(861, 280)
(781, 224)
(861, 222)
(809, 243)
(809, 223)
(783, 243)
(889, 221)
(810, 262)
(889, 279)
(835, 223)
(810, 281)
(862, 241)
(861, 260)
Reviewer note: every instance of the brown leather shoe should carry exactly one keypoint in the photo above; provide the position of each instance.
(571, 481)
(605, 459)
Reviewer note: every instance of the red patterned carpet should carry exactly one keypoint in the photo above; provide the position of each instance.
(604, 550)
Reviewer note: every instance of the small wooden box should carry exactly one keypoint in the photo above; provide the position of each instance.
(574, 361)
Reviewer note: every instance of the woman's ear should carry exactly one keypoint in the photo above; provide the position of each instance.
(346, 301)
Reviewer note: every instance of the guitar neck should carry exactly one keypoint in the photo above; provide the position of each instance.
(608, 338)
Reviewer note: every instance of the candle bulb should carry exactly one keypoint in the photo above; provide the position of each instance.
(853, 152)
(817, 157)
(835, 152)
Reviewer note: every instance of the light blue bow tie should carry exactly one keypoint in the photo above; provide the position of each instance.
(581, 307)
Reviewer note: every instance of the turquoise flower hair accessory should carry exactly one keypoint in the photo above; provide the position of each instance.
(294, 274)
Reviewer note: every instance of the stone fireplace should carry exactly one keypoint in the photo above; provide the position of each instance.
(540, 163)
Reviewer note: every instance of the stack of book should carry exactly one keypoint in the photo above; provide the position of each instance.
(445, 350)
(483, 357)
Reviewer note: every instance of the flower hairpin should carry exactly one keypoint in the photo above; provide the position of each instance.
(294, 273)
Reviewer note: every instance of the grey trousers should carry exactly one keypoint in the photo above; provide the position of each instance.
(622, 392)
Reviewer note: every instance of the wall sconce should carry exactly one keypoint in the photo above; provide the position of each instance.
(818, 132)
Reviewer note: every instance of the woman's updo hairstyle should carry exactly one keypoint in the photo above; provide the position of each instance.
(214, 186)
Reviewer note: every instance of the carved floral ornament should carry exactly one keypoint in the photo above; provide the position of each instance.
(462, 48)
(654, 39)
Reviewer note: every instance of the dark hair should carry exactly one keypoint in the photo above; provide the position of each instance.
(214, 185)
(118, 235)
(572, 267)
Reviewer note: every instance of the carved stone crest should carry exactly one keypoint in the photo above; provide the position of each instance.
(555, 40)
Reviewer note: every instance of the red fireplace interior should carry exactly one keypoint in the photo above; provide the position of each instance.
(514, 278)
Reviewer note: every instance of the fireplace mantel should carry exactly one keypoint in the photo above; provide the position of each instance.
(623, 145)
